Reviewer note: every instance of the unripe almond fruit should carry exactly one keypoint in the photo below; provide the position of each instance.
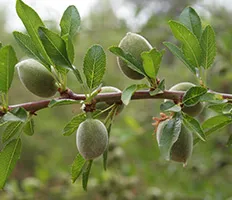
(91, 138)
(104, 105)
(182, 148)
(192, 110)
(36, 78)
(134, 44)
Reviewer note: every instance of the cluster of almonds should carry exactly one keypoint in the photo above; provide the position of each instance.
(92, 136)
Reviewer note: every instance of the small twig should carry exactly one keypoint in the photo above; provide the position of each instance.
(176, 96)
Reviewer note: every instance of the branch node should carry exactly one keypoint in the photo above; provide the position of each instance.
(90, 107)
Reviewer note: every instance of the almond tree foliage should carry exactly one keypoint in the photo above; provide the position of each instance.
(196, 49)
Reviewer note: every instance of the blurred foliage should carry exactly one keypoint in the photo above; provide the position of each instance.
(136, 169)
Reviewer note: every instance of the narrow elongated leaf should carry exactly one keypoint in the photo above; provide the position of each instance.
(94, 66)
(170, 106)
(223, 108)
(29, 127)
(227, 109)
(129, 59)
(179, 54)
(217, 107)
(169, 136)
(69, 47)
(151, 62)
(10, 117)
(215, 123)
(32, 22)
(17, 114)
(55, 47)
(77, 167)
(20, 113)
(61, 102)
(73, 124)
(194, 126)
(191, 20)
(77, 74)
(8, 158)
(70, 21)
(26, 43)
(190, 44)
(8, 61)
(193, 95)
(11, 130)
(213, 98)
(85, 175)
(129, 91)
(208, 45)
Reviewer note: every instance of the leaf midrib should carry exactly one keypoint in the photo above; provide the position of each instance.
(35, 35)
(11, 158)
(9, 135)
(189, 46)
(67, 61)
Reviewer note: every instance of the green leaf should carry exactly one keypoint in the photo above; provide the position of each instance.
(159, 89)
(170, 106)
(229, 141)
(28, 128)
(227, 108)
(26, 43)
(3, 123)
(151, 62)
(129, 59)
(208, 45)
(190, 44)
(70, 21)
(179, 54)
(217, 107)
(55, 47)
(77, 74)
(8, 60)
(215, 123)
(193, 95)
(94, 93)
(94, 66)
(85, 175)
(194, 126)
(192, 21)
(169, 136)
(127, 94)
(213, 98)
(17, 114)
(11, 131)
(32, 22)
(77, 167)
(61, 102)
(73, 124)
(129, 91)
(8, 158)
(69, 47)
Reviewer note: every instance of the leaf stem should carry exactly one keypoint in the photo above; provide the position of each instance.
(205, 77)
(4, 100)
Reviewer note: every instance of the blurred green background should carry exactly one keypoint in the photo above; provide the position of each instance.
(135, 170)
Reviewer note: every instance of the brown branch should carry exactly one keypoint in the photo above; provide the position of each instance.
(109, 97)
